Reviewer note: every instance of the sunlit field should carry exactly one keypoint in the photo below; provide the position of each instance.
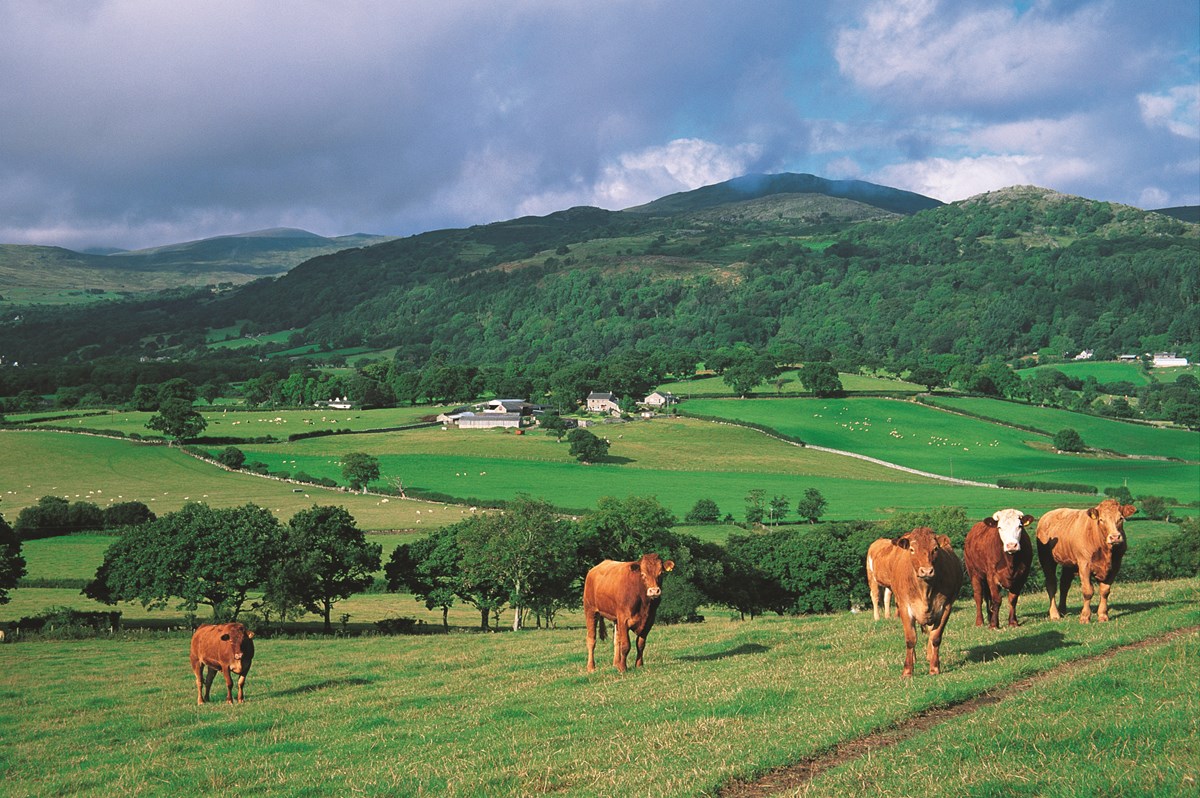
(788, 381)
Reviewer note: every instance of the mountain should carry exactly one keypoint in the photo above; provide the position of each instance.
(1002, 274)
(1184, 213)
(55, 275)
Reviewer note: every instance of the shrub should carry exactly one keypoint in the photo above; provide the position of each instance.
(704, 511)
(1068, 440)
(127, 514)
(66, 623)
(232, 457)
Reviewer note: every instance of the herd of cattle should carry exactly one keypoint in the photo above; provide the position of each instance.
(919, 568)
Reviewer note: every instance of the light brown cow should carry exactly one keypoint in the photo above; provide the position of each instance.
(1090, 542)
(227, 647)
(998, 554)
(922, 570)
(626, 593)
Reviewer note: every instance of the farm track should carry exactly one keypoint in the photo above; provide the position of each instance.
(791, 777)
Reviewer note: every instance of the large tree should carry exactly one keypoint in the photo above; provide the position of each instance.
(429, 569)
(324, 558)
(821, 378)
(360, 470)
(197, 555)
(12, 564)
(176, 419)
(585, 446)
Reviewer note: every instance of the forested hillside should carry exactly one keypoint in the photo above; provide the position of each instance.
(1000, 275)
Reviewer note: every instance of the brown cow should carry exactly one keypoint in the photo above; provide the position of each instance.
(227, 647)
(1090, 542)
(627, 593)
(998, 554)
(925, 575)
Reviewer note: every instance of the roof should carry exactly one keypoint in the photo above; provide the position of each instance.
(602, 395)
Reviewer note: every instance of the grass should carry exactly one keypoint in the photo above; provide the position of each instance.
(1104, 371)
(920, 437)
(515, 713)
(716, 386)
(1099, 433)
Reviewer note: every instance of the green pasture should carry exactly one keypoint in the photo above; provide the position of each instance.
(671, 459)
(939, 442)
(715, 386)
(225, 422)
(107, 470)
(1103, 371)
(1097, 432)
(516, 714)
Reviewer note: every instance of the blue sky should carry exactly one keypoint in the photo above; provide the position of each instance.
(134, 123)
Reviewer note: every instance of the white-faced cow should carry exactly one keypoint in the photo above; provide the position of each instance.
(627, 593)
(1088, 542)
(921, 569)
(998, 554)
(226, 647)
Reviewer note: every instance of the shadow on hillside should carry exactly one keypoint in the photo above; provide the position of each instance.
(612, 459)
(1039, 643)
(328, 684)
(744, 648)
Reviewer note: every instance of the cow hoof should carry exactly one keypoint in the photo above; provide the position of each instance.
(1103, 617)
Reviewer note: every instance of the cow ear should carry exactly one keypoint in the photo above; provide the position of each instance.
(249, 634)
(943, 541)
(1128, 510)
(993, 521)
(1026, 520)
(669, 565)
(1093, 512)
(225, 636)
(901, 541)
(635, 566)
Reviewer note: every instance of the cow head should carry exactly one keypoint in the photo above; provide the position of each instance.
(652, 568)
(238, 637)
(1110, 515)
(1009, 523)
(924, 546)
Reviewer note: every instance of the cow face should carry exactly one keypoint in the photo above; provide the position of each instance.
(236, 637)
(1110, 515)
(924, 548)
(652, 569)
(1010, 524)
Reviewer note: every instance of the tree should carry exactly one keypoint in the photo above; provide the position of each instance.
(754, 506)
(704, 511)
(324, 558)
(428, 568)
(1154, 508)
(1068, 440)
(625, 529)
(232, 457)
(359, 469)
(812, 505)
(176, 419)
(12, 564)
(585, 446)
(747, 371)
(777, 510)
(928, 376)
(127, 514)
(821, 378)
(196, 554)
(554, 424)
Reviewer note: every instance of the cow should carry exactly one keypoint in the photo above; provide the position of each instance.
(921, 569)
(998, 554)
(1090, 542)
(227, 647)
(626, 593)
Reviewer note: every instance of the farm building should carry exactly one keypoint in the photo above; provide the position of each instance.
(489, 420)
(602, 402)
(1168, 359)
(518, 406)
(660, 399)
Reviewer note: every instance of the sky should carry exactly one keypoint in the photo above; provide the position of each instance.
(137, 123)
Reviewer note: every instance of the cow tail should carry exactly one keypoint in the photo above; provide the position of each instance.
(600, 628)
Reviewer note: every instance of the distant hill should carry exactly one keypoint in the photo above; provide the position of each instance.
(750, 187)
(1184, 213)
(35, 274)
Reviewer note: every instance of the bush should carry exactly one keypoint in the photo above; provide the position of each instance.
(1060, 487)
(397, 626)
(127, 514)
(704, 511)
(232, 457)
(1175, 557)
(1068, 440)
(68, 624)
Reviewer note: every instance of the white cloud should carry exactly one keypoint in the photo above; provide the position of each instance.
(1178, 110)
(1153, 198)
(955, 179)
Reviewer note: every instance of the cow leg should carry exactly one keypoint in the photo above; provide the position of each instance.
(209, 675)
(933, 650)
(887, 602)
(876, 591)
(1104, 589)
(228, 684)
(994, 605)
(197, 669)
(977, 588)
(641, 646)
(621, 644)
(589, 618)
(241, 688)
(1049, 568)
(910, 640)
(1012, 608)
(1085, 587)
(1065, 578)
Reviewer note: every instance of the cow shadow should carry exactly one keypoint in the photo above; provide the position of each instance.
(1039, 643)
(328, 684)
(743, 649)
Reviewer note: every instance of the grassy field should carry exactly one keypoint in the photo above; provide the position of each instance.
(1099, 433)
(710, 386)
(1112, 371)
(515, 713)
(106, 470)
(945, 443)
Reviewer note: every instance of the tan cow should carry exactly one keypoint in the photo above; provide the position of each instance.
(921, 569)
(627, 593)
(227, 647)
(1090, 542)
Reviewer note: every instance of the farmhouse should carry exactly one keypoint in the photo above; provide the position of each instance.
(489, 420)
(518, 406)
(1168, 359)
(660, 399)
(1086, 354)
(336, 403)
(603, 402)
